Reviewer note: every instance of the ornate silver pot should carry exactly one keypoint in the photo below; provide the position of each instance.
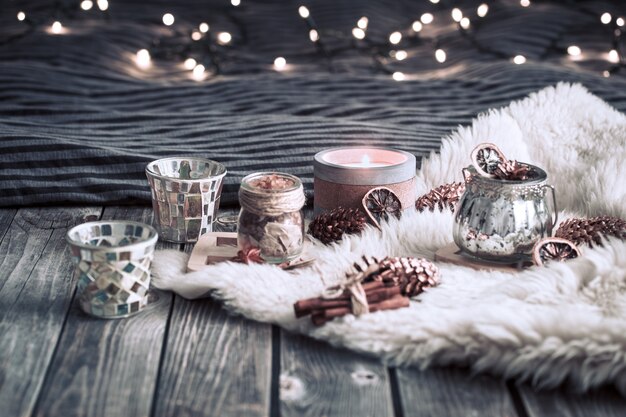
(501, 220)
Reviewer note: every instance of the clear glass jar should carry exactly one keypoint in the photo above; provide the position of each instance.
(271, 218)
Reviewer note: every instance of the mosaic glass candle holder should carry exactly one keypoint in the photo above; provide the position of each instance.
(113, 266)
(185, 196)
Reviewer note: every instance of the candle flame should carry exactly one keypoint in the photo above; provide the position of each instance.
(366, 160)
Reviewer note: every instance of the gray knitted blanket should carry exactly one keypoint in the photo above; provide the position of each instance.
(79, 119)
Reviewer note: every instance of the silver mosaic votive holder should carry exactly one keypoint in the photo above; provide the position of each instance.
(185, 196)
(113, 266)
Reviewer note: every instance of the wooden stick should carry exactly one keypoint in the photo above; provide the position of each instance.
(311, 303)
(323, 316)
(305, 307)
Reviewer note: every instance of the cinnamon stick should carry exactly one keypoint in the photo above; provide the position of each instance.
(305, 307)
(322, 316)
(309, 304)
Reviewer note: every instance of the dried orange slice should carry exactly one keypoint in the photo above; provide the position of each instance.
(380, 203)
(554, 249)
(486, 158)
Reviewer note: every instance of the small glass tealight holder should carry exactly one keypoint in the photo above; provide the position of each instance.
(112, 266)
(185, 196)
(271, 220)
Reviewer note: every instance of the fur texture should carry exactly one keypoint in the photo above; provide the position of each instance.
(562, 323)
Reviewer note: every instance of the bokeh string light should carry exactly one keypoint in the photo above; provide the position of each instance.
(201, 51)
(380, 49)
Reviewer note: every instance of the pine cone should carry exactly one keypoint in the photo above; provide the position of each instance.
(331, 226)
(413, 275)
(589, 231)
(442, 197)
(512, 170)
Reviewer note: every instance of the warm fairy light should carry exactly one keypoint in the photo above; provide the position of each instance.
(613, 56)
(235, 2)
(103, 4)
(395, 38)
(401, 55)
(606, 18)
(398, 76)
(189, 63)
(21, 16)
(519, 59)
(86, 5)
(434, 1)
(358, 33)
(573, 50)
(465, 23)
(304, 12)
(224, 38)
(417, 26)
(313, 35)
(280, 63)
(198, 72)
(440, 56)
(524, 3)
(204, 27)
(620, 21)
(606, 74)
(143, 58)
(457, 14)
(362, 23)
(56, 27)
(196, 36)
(427, 18)
(168, 19)
(482, 10)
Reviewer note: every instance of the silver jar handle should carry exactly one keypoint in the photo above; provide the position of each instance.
(467, 175)
(555, 215)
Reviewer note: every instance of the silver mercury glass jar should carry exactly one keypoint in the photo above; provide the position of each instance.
(501, 220)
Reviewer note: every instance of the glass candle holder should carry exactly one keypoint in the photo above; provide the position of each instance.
(501, 220)
(185, 196)
(113, 266)
(271, 220)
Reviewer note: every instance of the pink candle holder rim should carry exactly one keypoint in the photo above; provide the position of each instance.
(333, 156)
(401, 171)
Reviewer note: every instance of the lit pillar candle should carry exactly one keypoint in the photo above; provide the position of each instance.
(344, 175)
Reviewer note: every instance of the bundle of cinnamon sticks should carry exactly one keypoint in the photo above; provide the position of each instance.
(380, 296)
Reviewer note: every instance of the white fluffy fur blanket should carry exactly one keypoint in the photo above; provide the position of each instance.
(561, 323)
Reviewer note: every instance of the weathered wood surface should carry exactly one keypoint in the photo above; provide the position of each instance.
(563, 403)
(36, 288)
(318, 380)
(107, 367)
(214, 364)
(191, 358)
(452, 392)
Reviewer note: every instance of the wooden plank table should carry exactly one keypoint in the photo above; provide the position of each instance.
(191, 358)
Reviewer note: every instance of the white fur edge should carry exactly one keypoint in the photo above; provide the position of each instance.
(566, 322)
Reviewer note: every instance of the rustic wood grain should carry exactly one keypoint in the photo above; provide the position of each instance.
(6, 217)
(452, 392)
(107, 367)
(214, 363)
(319, 380)
(563, 403)
(36, 288)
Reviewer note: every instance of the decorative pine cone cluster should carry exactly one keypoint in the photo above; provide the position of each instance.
(412, 275)
(589, 231)
(331, 226)
(513, 171)
(442, 197)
